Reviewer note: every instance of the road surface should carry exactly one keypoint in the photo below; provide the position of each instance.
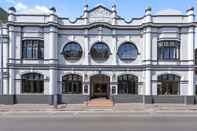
(98, 121)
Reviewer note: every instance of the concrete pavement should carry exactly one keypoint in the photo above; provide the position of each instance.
(134, 107)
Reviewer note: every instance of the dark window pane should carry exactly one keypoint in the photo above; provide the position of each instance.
(100, 51)
(32, 83)
(33, 49)
(127, 51)
(168, 84)
(168, 50)
(72, 51)
(72, 84)
(127, 84)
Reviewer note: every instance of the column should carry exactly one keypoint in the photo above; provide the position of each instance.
(1, 58)
(191, 42)
(86, 15)
(114, 50)
(53, 36)
(148, 54)
(86, 85)
(12, 52)
(86, 48)
(114, 14)
(5, 63)
(148, 84)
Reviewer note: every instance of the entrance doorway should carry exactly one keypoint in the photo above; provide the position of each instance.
(100, 86)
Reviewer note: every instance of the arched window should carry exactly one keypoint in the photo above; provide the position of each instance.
(32, 83)
(127, 84)
(127, 51)
(33, 49)
(72, 51)
(72, 84)
(100, 51)
(168, 84)
(168, 50)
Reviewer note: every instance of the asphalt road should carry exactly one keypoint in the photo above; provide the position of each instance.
(104, 121)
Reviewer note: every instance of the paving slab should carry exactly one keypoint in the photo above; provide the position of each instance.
(127, 107)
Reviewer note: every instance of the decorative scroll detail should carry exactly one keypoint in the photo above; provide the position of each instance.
(100, 14)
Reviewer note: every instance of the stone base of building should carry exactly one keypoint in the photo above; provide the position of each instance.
(79, 99)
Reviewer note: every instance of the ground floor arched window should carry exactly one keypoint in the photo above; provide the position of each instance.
(127, 84)
(32, 83)
(72, 84)
(168, 84)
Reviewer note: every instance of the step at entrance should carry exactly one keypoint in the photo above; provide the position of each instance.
(100, 102)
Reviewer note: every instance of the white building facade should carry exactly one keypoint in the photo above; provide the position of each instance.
(148, 59)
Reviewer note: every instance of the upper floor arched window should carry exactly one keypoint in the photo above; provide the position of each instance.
(127, 51)
(72, 51)
(168, 50)
(33, 49)
(100, 51)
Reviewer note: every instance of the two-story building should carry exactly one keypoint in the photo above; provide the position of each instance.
(149, 59)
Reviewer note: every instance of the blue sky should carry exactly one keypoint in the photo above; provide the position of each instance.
(126, 8)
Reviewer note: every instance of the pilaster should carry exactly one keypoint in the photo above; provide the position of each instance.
(86, 48)
(191, 42)
(148, 52)
(53, 36)
(12, 51)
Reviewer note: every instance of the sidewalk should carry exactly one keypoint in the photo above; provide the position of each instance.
(134, 107)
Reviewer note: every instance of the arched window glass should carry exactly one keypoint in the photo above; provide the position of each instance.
(72, 84)
(168, 84)
(72, 51)
(32, 83)
(127, 51)
(127, 84)
(168, 50)
(33, 49)
(100, 51)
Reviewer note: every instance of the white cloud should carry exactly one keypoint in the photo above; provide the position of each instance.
(37, 9)
(20, 6)
(42, 8)
(11, 1)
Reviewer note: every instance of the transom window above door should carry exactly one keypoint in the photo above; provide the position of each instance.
(33, 49)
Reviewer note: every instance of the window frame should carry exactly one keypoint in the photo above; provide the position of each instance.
(167, 79)
(104, 58)
(33, 83)
(128, 80)
(36, 46)
(69, 80)
(127, 59)
(72, 58)
(166, 45)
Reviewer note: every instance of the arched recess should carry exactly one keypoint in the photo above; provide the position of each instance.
(32, 83)
(168, 84)
(128, 84)
(100, 86)
(72, 84)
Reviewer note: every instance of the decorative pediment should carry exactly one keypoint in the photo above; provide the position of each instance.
(100, 14)
(100, 11)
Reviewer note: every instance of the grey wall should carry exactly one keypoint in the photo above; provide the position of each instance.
(73, 99)
(127, 99)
